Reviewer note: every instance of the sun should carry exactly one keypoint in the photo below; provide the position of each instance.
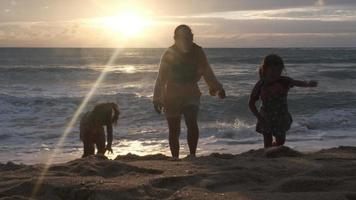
(128, 24)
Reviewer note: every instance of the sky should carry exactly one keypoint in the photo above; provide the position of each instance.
(150, 23)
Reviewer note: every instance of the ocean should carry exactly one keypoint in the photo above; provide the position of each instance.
(41, 88)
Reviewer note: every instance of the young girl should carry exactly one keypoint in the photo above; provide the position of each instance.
(273, 119)
(92, 128)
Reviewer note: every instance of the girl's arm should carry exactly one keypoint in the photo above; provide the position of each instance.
(299, 83)
(254, 96)
(253, 108)
(109, 137)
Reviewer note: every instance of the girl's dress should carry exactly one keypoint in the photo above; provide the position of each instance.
(274, 107)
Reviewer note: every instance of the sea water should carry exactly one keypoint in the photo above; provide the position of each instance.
(41, 88)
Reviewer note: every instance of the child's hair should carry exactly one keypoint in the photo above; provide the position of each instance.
(116, 113)
(271, 61)
(101, 110)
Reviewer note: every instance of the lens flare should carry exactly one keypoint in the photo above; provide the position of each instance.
(72, 122)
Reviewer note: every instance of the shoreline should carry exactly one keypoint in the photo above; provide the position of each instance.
(306, 147)
(274, 173)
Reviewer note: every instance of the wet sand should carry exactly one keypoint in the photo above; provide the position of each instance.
(275, 173)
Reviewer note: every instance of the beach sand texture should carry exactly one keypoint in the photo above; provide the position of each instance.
(275, 173)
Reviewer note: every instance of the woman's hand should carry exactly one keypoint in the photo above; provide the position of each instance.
(222, 94)
(158, 106)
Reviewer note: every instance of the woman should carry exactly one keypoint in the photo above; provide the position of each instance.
(176, 90)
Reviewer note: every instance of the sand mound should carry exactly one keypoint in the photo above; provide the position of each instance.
(273, 152)
(340, 149)
(338, 153)
(134, 157)
(92, 166)
(222, 156)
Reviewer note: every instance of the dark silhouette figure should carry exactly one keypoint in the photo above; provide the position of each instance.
(92, 128)
(273, 119)
(176, 90)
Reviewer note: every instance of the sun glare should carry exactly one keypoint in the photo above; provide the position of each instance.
(128, 24)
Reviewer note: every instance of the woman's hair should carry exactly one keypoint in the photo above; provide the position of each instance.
(182, 27)
(271, 61)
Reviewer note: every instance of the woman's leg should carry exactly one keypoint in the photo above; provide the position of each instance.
(191, 116)
(267, 139)
(174, 132)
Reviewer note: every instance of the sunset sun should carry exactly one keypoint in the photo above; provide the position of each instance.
(128, 24)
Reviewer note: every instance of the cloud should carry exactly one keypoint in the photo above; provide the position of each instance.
(42, 34)
(208, 32)
(280, 40)
(320, 3)
(39, 10)
(232, 23)
(327, 13)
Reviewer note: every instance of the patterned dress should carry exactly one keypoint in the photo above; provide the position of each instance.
(274, 107)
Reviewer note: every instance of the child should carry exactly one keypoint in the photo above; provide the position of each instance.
(92, 130)
(273, 119)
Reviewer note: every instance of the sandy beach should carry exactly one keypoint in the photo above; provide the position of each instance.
(275, 173)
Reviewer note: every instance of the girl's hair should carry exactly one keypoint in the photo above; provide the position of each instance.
(271, 61)
(115, 107)
(101, 111)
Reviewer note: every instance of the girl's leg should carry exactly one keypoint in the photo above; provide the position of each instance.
(190, 116)
(100, 140)
(174, 131)
(267, 139)
(280, 140)
(88, 144)
(89, 148)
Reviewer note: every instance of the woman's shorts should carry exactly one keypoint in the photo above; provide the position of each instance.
(174, 107)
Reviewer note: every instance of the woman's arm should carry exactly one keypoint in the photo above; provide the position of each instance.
(160, 84)
(215, 88)
(299, 83)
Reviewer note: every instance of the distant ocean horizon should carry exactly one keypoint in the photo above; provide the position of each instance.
(42, 88)
(205, 47)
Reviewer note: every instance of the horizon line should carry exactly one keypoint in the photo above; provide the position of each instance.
(207, 47)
